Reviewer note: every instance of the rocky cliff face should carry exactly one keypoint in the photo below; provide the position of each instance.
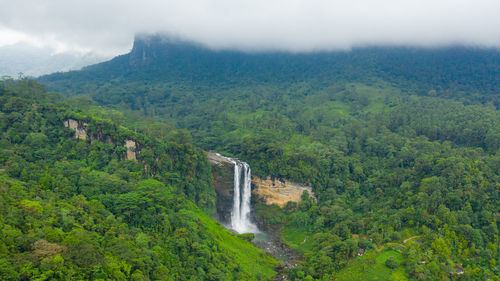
(279, 192)
(80, 129)
(78, 126)
(144, 50)
(268, 191)
(131, 146)
(223, 174)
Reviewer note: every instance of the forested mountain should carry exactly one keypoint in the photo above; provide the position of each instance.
(467, 73)
(77, 209)
(400, 145)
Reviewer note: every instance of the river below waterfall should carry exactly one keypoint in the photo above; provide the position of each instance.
(271, 243)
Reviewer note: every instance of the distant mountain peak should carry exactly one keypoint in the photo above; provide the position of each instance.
(142, 52)
(148, 48)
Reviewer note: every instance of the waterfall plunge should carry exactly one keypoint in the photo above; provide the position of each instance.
(242, 189)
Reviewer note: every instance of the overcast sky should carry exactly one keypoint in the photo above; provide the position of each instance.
(108, 26)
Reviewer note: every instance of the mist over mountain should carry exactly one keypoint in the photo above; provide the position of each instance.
(298, 25)
(34, 61)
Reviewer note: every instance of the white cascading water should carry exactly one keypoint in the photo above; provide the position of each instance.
(240, 215)
(236, 221)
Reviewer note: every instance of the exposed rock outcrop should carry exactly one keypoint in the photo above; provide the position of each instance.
(144, 51)
(223, 174)
(131, 146)
(274, 191)
(78, 126)
(216, 159)
(81, 132)
(268, 191)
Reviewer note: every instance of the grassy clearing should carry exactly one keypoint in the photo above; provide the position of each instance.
(298, 239)
(252, 261)
(371, 267)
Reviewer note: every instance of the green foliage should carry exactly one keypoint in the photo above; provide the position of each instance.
(7, 271)
(470, 74)
(395, 142)
(391, 263)
(373, 266)
(247, 236)
(73, 209)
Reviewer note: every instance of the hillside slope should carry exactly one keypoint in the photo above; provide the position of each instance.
(76, 208)
(467, 73)
(395, 142)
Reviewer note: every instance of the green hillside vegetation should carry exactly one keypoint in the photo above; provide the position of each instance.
(373, 266)
(74, 209)
(390, 144)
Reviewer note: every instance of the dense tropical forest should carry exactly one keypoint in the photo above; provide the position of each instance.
(400, 145)
(73, 209)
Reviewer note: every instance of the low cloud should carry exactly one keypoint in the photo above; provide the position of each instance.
(108, 27)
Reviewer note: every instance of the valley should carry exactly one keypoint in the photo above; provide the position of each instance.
(378, 163)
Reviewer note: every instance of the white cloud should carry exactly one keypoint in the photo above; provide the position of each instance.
(10, 37)
(296, 25)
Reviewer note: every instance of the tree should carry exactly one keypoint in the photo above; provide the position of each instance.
(441, 248)
(391, 263)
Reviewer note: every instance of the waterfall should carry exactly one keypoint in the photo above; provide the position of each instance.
(242, 189)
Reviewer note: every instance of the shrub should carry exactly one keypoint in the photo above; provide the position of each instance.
(391, 263)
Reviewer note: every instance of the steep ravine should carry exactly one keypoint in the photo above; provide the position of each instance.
(264, 191)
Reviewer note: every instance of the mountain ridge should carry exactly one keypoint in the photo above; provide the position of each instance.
(395, 142)
(458, 69)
